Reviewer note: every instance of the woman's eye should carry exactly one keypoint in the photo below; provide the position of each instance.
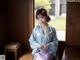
(42, 16)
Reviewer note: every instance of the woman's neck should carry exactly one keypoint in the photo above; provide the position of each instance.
(44, 27)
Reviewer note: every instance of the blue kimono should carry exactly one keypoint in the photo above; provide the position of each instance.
(39, 37)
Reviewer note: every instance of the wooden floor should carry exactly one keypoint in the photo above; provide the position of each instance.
(27, 56)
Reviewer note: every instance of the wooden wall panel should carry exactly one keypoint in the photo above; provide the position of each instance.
(20, 16)
(73, 24)
(16, 22)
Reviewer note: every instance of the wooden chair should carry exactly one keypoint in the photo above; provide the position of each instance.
(60, 51)
(12, 47)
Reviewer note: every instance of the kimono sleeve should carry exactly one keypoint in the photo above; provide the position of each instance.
(53, 44)
(32, 40)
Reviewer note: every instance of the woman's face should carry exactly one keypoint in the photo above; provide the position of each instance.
(42, 19)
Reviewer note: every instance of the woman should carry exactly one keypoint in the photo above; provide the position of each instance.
(43, 40)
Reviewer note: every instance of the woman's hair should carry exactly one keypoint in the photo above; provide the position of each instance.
(42, 12)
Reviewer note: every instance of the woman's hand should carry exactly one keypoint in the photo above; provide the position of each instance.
(41, 46)
(45, 46)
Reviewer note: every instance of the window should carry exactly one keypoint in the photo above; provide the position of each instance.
(57, 13)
